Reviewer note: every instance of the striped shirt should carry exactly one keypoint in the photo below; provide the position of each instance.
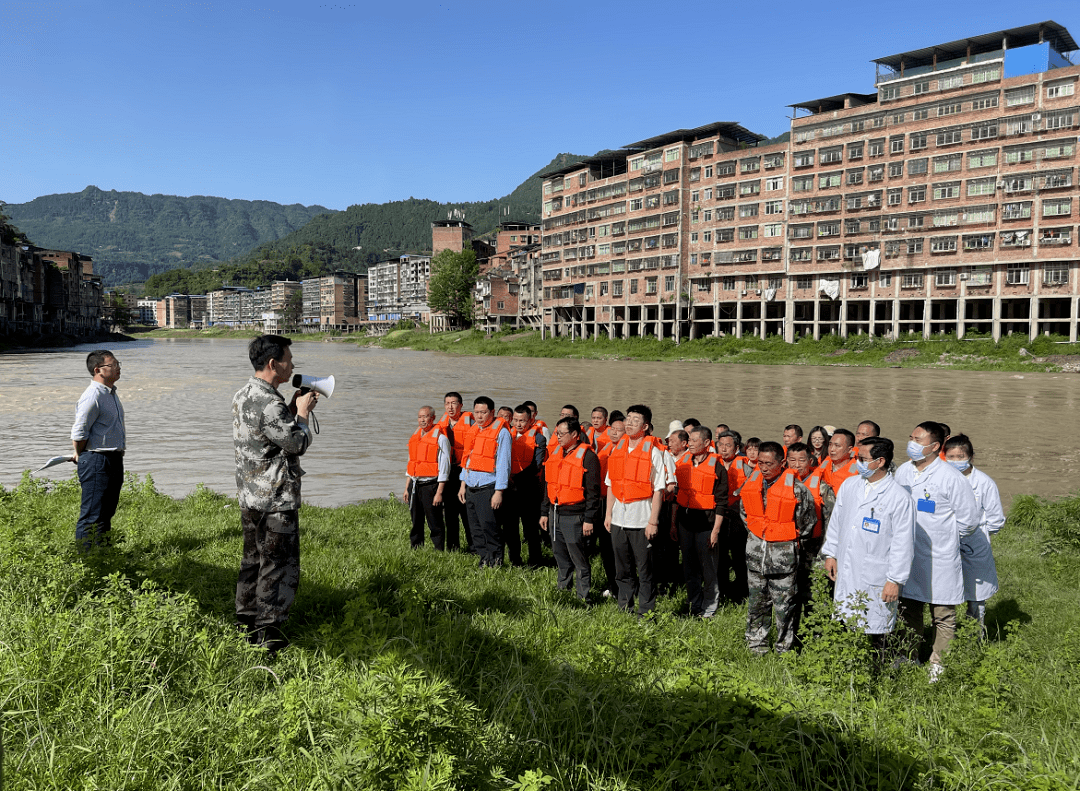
(99, 419)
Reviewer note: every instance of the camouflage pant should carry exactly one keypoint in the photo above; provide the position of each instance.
(775, 594)
(270, 568)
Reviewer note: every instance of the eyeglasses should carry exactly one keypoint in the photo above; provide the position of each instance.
(110, 365)
(561, 434)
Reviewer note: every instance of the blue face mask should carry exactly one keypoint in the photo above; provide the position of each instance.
(915, 451)
(960, 465)
(864, 468)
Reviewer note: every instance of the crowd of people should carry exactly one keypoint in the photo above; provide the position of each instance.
(730, 519)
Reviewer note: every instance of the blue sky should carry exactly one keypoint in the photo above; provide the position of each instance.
(338, 104)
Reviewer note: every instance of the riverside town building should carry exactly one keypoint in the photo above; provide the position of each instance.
(945, 201)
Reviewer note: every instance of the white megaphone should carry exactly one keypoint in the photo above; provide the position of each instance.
(323, 385)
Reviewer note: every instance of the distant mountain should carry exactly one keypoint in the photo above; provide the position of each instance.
(132, 236)
(384, 230)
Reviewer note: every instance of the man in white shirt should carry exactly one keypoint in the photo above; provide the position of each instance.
(426, 479)
(945, 510)
(636, 480)
(99, 439)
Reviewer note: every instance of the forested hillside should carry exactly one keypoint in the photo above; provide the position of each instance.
(131, 236)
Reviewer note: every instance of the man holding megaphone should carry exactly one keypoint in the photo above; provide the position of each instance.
(269, 437)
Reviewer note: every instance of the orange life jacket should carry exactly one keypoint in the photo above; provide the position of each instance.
(603, 455)
(523, 451)
(458, 434)
(776, 521)
(483, 444)
(738, 470)
(424, 453)
(599, 439)
(813, 483)
(565, 476)
(835, 477)
(631, 470)
(696, 481)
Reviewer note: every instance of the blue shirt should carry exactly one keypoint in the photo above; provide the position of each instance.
(501, 476)
(99, 419)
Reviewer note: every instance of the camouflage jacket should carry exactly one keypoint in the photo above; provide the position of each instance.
(780, 557)
(269, 442)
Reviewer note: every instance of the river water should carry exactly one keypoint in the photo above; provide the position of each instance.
(177, 394)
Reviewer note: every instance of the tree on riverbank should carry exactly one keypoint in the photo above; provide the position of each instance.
(451, 285)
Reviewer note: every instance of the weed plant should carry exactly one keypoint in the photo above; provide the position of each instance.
(412, 669)
(981, 354)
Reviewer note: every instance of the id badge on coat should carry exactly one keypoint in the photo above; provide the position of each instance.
(871, 525)
(926, 505)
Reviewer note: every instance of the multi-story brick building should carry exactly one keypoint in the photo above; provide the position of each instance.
(397, 288)
(183, 311)
(943, 202)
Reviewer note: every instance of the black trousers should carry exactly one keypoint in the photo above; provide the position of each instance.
(422, 508)
(102, 477)
(633, 553)
(667, 570)
(731, 567)
(570, 547)
(453, 510)
(521, 504)
(487, 536)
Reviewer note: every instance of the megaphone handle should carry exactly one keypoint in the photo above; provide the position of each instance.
(314, 422)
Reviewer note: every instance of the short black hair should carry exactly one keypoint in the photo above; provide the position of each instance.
(873, 425)
(681, 434)
(484, 400)
(702, 431)
(722, 427)
(735, 435)
(880, 448)
(775, 448)
(935, 430)
(454, 394)
(570, 422)
(945, 429)
(616, 416)
(572, 408)
(641, 409)
(753, 442)
(507, 408)
(691, 422)
(843, 432)
(960, 441)
(600, 409)
(97, 358)
(795, 447)
(523, 409)
(265, 348)
(794, 427)
(531, 405)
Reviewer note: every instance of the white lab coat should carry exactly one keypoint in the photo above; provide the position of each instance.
(936, 572)
(865, 560)
(980, 572)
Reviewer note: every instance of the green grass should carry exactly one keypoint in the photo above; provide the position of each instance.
(413, 669)
(980, 354)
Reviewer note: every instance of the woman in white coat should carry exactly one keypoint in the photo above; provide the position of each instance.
(870, 539)
(980, 572)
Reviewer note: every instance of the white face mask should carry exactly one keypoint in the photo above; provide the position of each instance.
(915, 451)
(961, 465)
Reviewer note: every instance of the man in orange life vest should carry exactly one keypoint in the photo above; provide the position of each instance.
(731, 564)
(615, 432)
(799, 461)
(840, 465)
(792, 434)
(598, 428)
(571, 504)
(567, 411)
(779, 512)
(667, 571)
(428, 470)
(524, 496)
(485, 474)
(701, 505)
(537, 419)
(456, 418)
(636, 481)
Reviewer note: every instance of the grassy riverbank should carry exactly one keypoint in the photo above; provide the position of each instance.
(415, 670)
(1039, 355)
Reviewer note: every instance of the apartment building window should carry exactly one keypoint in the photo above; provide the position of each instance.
(708, 193)
(804, 160)
(635, 164)
(801, 254)
(693, 236)
(774, 207)
(802, 183)
(943, 244)
(896, 169)
(1016, 211)
(948, 164)
(952, 81)
(855, 177)
(859, 280)
(1020, 96)
(982, 159)
(1017, 274)
(917, 166)
(897, 118)
(725, 234)
(896, 145)
(890, 93)
(877, 148)
(985, 103)
(750, 188)
(885, 280)
(1017, 156)
(981, 187)
(750, 165)
(801, 231)
(726, 213)
(671, 155)
(804, 282)
(671, 176)
(914, 246)
(953, 108)
(984, 241)
(773, 229)
(892, 197)
(1058, 150)
(855, 151)
(852, 227)
(1059, 120)
(985, 75)
(708, 171)
(877, 173)
(917, 194)
(725, 191)
(1057, 208)
(669, 282)
(1055, 273)
(729, 284)
(945, 191)
(917, 142)
(633, 286)
(650, 285)
(979, 275)
(774, 183)
(920, 115)
(911, 280)
(920, 87)
(827, 180)
(946, 218)
(695, 196)
(984, 131)
(1056, 90)
(950, 137)
(832, 155)
(616, 288)
(725, 168)
(830, 253)
(774, 161)
(636, 204)
(1019, 126)
(944, 278)
(748, 210)
(751, 282)
(748, 232)
(603, 288)
(858, 126)
(695, 175)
